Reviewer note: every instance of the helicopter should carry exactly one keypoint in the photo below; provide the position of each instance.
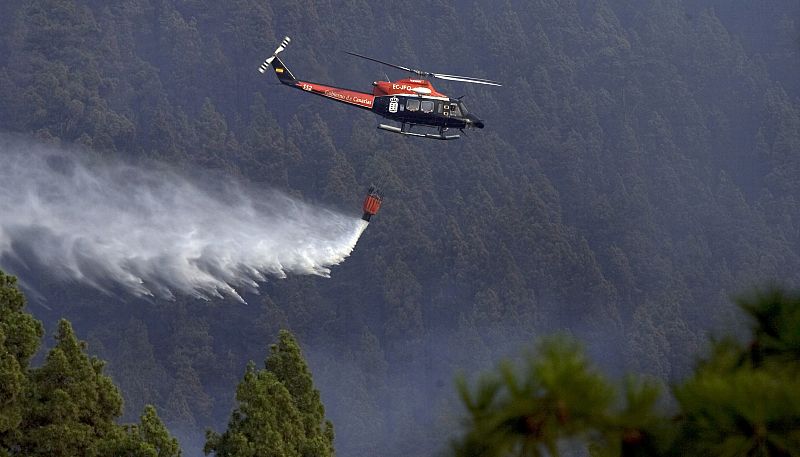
(411, 101)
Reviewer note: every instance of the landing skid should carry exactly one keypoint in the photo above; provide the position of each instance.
(405, 131)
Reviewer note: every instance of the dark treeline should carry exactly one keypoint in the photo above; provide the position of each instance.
(638, 166)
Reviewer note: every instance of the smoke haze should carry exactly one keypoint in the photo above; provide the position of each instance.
(155, 232)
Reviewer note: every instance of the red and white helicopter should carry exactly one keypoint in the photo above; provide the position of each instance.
(410, 101)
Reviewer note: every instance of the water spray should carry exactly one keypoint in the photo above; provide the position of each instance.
(156, 232)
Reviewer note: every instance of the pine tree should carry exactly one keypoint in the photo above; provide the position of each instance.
(559, 397)
(741, 401)
(149, 438)
(744, 400)
(72, 404)
(265, 423)
(66, 407)
(153, 432)
(72, 407)
(279, 411)
(287, 363)
(19, 339)
(212, 135)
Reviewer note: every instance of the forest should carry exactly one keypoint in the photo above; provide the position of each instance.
(741, 400)
(638, 169)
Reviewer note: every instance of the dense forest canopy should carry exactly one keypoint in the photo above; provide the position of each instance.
(638, 167)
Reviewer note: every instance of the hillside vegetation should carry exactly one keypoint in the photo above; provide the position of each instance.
(639, 166)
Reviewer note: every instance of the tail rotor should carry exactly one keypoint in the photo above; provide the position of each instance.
(268, 61)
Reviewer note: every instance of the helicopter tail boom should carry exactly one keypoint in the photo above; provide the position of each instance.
(354, 98)
(283, 73)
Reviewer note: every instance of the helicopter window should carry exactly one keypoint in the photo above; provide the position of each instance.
(454, 111)
(412, 105)
(427, 106)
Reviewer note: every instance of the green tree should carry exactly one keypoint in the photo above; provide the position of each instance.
(279, 412)
(19, 339)
(265, 423)
(71, 408)
(67, 406)
(149, 438)
(741, 401)
(212, 135)
(72, 404)
(154, 433)
(287, 363)
(558, 397)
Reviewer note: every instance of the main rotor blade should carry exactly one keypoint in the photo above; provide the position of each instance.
(400, 67)
(466, 79)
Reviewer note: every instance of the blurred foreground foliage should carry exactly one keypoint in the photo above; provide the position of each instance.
(743, 399)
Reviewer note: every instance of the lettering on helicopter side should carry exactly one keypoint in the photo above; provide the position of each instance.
(402, 87)
(393, 105)
(355, 99)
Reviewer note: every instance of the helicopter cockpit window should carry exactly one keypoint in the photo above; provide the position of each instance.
(427, 106)
(412, 105)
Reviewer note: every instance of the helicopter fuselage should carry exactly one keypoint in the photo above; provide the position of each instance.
(416, 102)
(408, 101)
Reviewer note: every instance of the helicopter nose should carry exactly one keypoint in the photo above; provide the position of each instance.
(475, 121)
